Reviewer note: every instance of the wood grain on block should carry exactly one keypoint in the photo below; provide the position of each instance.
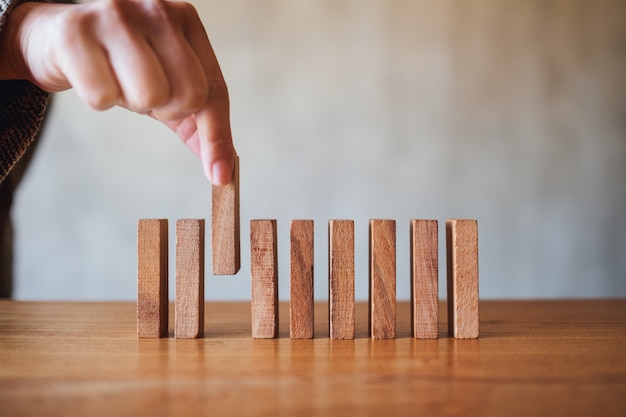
(424, 279)
(341, 278)
(462, 265)
(264, 269)
(189, 307)
(301, 288)
(225, 230)
(152, 296)
(382, 279)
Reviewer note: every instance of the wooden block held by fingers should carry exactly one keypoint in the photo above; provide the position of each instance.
(189, 307)
(225, 230)
(382, 279)
(301, 289)
(264, 269)
(341, 278)
(462, 265)
(152, 296)
(424, 279)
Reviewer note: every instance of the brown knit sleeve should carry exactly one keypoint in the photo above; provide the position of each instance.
(22, 108)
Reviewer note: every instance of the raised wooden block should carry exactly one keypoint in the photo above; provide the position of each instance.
(264, 271)
(189, 308)
(225, 231)
(301, 289)
(462, 263)
(341, 278)
(424, 279)
(152, 297)
(382, 279)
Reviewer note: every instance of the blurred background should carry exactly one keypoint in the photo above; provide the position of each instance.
(509, 112)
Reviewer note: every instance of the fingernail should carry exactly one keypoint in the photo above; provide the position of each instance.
(221, 172)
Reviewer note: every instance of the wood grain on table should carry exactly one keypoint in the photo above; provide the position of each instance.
(533, 358)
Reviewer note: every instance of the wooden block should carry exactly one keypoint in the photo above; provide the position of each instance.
(462, 263)
(189, 306)
(152, 297)
(341, 278)
(264, 269)
(225, 231)
(424, 279)
(301, 288)
(382, 279)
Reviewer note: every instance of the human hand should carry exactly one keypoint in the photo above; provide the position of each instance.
(152, 57)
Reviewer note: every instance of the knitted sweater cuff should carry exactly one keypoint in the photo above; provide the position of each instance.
(22, 109)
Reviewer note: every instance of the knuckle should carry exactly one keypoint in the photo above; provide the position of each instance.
(186, 10)
(135, 15)
(217, 89)
(183, 104)
(159, 13)
(168, 114)
(179, 108)
(145, 100)
(194, 99)
(74, 24)
(112, 11)
(101, 100)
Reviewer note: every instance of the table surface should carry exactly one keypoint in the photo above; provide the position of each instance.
(532, 358)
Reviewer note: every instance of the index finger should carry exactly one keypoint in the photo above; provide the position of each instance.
(213, 119)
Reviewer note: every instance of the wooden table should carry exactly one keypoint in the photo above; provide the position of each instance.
(556, 358)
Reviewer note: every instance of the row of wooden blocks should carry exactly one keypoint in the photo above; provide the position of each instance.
(462, 274)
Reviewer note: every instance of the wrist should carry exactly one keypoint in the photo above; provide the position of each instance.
(12, 62)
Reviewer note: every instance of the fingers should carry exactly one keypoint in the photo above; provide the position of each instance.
(152, 57)
(143, 83)
(213, 120)
(177, 60)
(156, 69)
(184, 73)
(95, 84)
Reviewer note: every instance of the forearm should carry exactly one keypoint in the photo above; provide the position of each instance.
(12, 65)
(22, 104)
(18, 17)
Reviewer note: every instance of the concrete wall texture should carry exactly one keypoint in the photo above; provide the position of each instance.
(513, 113)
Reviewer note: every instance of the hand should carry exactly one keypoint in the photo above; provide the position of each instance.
(152, 57)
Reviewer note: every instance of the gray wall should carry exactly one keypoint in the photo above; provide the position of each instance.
(513, 113)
